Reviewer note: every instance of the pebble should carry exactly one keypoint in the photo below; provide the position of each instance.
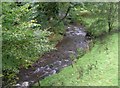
(48, 68)
(38, 69)
(66, 60)
(64, 65)
(59, 62)
(25, 84)
(17, 85)
(26, 76)
(54, 67)
(53, 71)
(32, 81)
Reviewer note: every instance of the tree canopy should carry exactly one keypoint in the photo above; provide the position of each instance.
(28, 27)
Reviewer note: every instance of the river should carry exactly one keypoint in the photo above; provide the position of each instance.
(53, 61)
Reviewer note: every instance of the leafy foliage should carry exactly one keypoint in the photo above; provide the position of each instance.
(23, 40)
(97, 17)
(49, 14)
(27, 29)
(45, 13)
(99, 67)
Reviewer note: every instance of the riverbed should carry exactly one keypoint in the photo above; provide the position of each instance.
(52, 62)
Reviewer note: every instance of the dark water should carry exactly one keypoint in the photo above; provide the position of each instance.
(52, 62)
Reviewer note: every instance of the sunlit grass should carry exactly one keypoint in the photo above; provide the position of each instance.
(98, 67)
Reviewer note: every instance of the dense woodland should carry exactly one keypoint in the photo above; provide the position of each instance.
(30, 30)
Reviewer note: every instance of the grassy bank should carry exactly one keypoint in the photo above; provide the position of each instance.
(98, 67)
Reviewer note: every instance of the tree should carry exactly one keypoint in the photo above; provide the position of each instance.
(23, 41)
(112, 15)
(99, 17)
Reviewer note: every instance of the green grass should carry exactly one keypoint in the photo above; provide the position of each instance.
(98, 67)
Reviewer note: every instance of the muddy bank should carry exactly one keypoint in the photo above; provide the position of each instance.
(52, 62)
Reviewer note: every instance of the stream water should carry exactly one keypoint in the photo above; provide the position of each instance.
(52, 62)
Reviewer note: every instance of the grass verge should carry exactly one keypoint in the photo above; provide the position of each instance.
(98, 67)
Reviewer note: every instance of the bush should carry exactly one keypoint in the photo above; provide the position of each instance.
(23, 41)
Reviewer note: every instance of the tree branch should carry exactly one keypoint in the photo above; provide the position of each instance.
(68, 9)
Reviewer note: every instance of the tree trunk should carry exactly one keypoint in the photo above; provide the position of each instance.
(109, 18)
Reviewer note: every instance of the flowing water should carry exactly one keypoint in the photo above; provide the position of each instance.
(52, 62)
